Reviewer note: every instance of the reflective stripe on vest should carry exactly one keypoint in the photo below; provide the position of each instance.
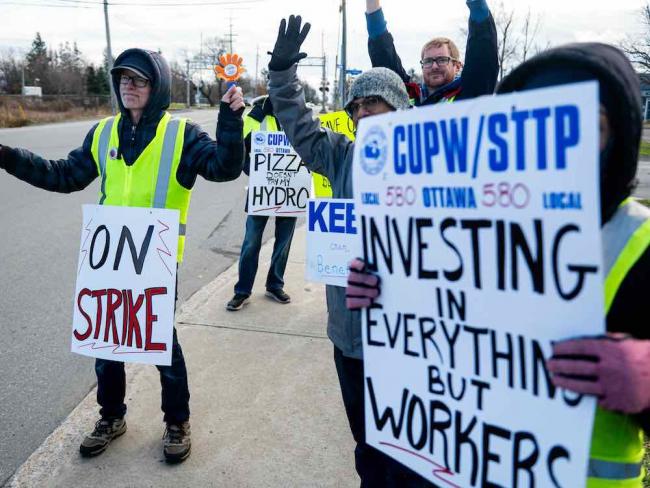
(166, 162)
(104, 139)
(613, 471)
(617, 441)
(251, 125)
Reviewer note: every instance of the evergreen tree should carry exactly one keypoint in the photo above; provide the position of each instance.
(38, 62)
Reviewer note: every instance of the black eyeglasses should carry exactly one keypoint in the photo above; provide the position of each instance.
(138, 81)
(369, 102)
(440, 61)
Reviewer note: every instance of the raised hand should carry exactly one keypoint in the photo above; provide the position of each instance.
(287, 46)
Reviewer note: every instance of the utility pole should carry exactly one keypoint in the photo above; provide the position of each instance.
(188, 86)
(109, 53)
(257, 61)
(344, 38)
(324, 88)
(230, 35)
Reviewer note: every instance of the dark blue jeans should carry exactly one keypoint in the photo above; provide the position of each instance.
(375, 469)
(250, 252)
(111, 387)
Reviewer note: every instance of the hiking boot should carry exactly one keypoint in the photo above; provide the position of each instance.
(278, 295)
(177, 442)
(237, 302)
(105, 431)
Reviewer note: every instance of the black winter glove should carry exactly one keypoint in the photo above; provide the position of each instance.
(287, 46)
(3, 152)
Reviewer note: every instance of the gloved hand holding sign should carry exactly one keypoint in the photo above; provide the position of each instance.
(287, 46)
(614, 368)
(363, 286)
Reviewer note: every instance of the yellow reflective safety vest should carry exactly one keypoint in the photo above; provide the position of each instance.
(617, 440)
(150, 181)
(340, 123)
(251, 125)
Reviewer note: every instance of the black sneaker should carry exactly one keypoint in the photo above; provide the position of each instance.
(176, 442)
(105, 431)
(237, 302)
(278, 295)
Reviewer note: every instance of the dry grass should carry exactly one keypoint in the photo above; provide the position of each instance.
(21, 112)
(21, 117)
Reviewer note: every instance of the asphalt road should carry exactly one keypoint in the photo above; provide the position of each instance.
(40, 380)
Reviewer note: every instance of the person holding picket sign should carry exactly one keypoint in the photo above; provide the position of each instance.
(615, 368)
(376, 91)
(261, 118)
(123, 149)
(445, 78)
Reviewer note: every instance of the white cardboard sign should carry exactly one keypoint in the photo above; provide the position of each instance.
(482, 219)
(126, 284)
(332, 240)
(279, 183)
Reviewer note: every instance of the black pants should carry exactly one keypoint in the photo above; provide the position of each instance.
(375, 469)
(111, 387)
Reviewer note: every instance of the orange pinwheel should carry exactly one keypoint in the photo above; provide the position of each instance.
(230, 67)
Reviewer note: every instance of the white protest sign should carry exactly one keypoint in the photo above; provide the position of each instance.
(482, 218)
(332, 240)
(126, 284)
(279, 182)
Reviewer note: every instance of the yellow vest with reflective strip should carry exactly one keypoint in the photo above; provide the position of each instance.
(617, 440)
(251, 125)
(150, 181)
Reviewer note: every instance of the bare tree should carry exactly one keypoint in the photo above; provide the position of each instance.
(516, 40)
(638, 47)
(532, 24)
(211, 87)
(11, 71)
(506, 42)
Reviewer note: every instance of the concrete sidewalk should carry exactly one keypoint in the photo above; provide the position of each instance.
(266, 406)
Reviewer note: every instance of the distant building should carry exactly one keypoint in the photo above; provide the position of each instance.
(32, 91)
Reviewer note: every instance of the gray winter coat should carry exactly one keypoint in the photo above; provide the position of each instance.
(330, 154)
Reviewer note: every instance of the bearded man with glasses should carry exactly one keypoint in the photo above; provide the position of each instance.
(445, 77)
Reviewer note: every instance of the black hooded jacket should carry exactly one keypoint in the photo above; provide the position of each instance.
(219, 160)
(620, 93)
(261, 109)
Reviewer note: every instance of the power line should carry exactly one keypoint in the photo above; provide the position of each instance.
(25, 4)
(86, 4)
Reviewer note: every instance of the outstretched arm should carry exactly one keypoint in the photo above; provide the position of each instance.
(66, 175)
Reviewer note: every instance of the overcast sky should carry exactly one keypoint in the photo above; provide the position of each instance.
(177, 30)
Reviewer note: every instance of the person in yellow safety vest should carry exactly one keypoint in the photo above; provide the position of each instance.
(261, 118)
(140, 145)
(616, 367)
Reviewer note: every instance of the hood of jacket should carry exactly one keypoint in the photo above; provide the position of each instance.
(621, 96)
(161, 82)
